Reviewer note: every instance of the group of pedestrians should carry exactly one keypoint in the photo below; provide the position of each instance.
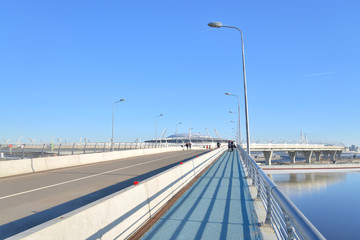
(231, 146)
(188, 145)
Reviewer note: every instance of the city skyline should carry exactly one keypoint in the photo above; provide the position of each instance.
(64, 64)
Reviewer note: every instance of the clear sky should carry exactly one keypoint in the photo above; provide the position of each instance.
(64, 63)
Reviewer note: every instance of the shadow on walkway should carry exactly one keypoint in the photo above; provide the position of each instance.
(217, 206)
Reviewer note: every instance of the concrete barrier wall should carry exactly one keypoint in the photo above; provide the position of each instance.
(16, 167)
(119, 215)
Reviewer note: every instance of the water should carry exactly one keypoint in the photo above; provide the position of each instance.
(331, 201)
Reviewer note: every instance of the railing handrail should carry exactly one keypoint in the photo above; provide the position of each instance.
(305, 228)
(13, 151)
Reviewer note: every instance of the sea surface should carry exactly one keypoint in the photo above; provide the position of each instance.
(331, 201)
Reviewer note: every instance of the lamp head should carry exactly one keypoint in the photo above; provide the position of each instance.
(228, 94)
(121, 100)
(215, 24)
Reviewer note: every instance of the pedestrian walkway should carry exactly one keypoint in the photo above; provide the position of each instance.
(217, 206)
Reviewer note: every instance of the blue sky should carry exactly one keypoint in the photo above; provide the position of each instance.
(64, 63)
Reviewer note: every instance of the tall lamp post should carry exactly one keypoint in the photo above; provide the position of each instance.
(113, 116)
(219, 25)
(238, 127)
(236, 135)
(156, 128)
(176, 131)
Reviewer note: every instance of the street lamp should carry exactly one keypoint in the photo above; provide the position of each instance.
(156, 128)
(219, 25)
(112, 136)
(239, 130)
(176, 131)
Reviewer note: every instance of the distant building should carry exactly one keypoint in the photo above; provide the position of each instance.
(353, 148)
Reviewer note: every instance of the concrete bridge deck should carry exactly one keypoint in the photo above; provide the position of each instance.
(217, 206)
(32, 199)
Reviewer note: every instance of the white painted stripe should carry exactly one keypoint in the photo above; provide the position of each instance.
(91, 176)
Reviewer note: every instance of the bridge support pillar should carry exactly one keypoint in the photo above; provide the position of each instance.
(317, 155)
(267, 155)
(292, 155)
(332, 156)
(338, 153)
(307, 155)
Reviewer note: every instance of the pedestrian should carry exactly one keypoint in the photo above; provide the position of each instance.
(190, 145)
(232, 146)
(187, 146)
(218, 144)
(229, 146)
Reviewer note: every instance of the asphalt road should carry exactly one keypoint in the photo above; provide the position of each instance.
(29, 200)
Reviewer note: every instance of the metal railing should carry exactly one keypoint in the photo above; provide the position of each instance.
(285, 218)
(21, 151)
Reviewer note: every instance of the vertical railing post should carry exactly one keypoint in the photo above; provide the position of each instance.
(104, 147)
(247, 160)
(250, 171)
(59, 149)
(254, 176)
(125, 146)
(119, 146)
(258, 185)
(95, 148)
(23, 151)
(268, 205)
(42, 151)
(289, 228)
(249, 166)
(72, 150)
(85, 148)
(131, 145)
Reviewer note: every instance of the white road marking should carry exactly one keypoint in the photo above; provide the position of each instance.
(73, 167)
(78, 179)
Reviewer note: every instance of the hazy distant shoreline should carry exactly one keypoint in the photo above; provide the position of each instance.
(302, 168)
